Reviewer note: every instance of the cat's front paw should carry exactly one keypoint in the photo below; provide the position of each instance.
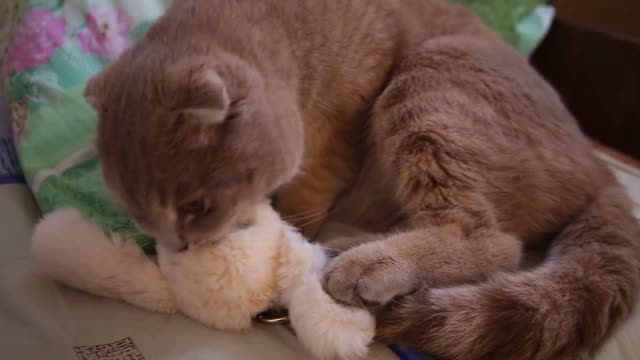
(369, 275)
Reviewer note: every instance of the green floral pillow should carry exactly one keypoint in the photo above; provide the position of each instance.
(505, 16)
(52, 48)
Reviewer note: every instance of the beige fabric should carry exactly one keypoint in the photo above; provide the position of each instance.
(625, 344)
(42, 320)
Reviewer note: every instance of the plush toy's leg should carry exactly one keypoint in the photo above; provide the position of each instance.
(79, 254)
(328, 329)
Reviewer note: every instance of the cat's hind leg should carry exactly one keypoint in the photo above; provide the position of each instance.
(484, 155)
(79, 254)
(435, 139)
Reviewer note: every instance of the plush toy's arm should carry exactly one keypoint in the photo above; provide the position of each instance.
(328, 329)
(79, 254)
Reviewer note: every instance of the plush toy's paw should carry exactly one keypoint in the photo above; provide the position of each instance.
(345, 336)
(369, 275)
(327, 329)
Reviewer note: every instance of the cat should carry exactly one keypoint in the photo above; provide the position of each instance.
(410, 119)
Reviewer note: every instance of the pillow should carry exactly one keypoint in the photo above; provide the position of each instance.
(55, 47)
(506, 17)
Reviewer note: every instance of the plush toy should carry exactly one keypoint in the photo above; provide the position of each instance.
(262, 265)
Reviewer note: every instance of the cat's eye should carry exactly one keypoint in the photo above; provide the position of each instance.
(197, 207)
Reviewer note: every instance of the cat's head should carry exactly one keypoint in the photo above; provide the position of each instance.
(185, 145)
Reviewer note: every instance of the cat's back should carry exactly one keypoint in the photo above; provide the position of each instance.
(305, 31)
(326, 26)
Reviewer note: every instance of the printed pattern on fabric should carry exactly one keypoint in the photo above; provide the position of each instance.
(124, 349)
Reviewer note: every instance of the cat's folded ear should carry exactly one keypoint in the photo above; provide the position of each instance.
(199, 92)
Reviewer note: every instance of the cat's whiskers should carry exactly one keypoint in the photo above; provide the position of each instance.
(304, 215)
(319, 218)
(306, 212)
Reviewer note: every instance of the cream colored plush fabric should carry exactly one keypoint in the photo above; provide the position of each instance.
(42, 320)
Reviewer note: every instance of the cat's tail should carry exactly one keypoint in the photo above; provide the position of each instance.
(79, 254)
(587, 285)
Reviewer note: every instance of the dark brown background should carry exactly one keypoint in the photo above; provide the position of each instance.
(592, 56)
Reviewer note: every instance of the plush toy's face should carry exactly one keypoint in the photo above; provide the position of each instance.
(240, 266)
(187, 144)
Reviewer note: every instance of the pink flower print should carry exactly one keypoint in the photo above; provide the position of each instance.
(105, 34)
(40, 32)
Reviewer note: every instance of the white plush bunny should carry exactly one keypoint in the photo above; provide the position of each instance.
(266, 264)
